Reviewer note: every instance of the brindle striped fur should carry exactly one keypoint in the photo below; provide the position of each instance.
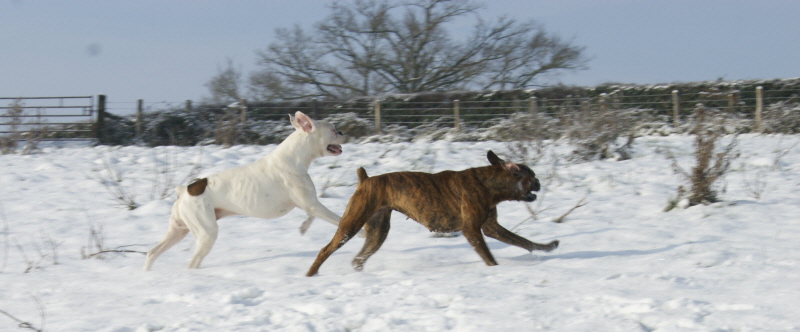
(448, 201)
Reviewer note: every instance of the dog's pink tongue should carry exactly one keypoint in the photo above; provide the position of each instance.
(335, 148)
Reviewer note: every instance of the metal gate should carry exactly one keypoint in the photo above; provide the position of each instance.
(48, 118)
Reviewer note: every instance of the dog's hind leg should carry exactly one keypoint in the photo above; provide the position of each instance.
(494, 230)
(354, 219)
(204, 239)
(200, 218)
(175, 233)
(377, 228)
(339, 239)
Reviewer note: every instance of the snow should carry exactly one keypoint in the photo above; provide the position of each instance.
(623, 265)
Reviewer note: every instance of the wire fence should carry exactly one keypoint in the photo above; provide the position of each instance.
(449, 109)
(470, 112)
(674, 106)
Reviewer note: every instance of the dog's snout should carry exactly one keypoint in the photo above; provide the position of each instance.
(536, 185)
(339, 133)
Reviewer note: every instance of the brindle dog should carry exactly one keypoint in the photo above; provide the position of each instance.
(448, 201)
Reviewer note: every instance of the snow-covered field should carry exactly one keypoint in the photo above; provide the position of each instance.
(623, 263)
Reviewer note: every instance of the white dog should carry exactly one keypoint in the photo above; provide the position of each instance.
(267, 188)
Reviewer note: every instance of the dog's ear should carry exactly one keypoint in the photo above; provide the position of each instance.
(494, 159)
(512, 169)
(302, 122)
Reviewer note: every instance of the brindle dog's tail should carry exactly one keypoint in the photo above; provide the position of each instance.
(362, 174)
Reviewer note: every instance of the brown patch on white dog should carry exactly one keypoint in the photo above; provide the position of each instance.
(197, 187)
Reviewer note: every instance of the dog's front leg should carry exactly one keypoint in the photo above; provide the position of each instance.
(306, 224)
(315, 209)
(494, 230)
(305, 197)
(472, 220)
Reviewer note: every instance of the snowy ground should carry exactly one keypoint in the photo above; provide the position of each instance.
(623, 264)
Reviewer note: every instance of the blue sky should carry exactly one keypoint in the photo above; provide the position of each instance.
(166, 50)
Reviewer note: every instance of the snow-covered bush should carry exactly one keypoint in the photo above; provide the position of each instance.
(711, 163)
(602, 134)
(782, 117)
(351, 125)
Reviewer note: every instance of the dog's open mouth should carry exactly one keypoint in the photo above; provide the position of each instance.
(335, 149)
(529, 197)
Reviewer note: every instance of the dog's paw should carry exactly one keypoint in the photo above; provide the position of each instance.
(306, 224)
(358, 263)
(551, 246)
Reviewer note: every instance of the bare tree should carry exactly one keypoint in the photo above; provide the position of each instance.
(521, 52)
(370, 47)
(225, 86)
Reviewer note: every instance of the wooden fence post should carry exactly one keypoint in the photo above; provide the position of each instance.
(314, 108)
(139, 110)
(457, 115)
(603, 107)
(544, 106)
(570, 103)
(732, 98)
(99, 133)
(533, 107)
(759, 106)
(377, 109)
(676, 108)
(243, 110)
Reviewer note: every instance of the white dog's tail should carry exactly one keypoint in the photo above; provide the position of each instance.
(179, 190)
